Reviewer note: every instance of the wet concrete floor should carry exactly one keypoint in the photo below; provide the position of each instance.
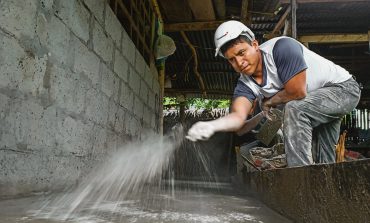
(179, 206)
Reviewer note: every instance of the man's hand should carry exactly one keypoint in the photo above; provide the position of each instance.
(266, 105)
(201, 131)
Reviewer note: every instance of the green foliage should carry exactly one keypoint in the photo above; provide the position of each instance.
(196, 103)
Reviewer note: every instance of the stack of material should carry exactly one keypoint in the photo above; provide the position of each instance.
(266, 158)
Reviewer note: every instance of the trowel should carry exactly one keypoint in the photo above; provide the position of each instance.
(270, 127)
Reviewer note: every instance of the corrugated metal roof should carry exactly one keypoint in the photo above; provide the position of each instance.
(218, 75)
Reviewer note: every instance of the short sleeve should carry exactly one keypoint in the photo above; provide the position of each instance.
(288, 57)
(242, 90)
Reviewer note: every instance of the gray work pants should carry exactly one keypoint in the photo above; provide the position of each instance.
(315, 121)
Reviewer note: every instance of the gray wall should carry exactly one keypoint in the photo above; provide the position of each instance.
(72, 88)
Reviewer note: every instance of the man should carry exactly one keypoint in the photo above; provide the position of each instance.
(316, 92)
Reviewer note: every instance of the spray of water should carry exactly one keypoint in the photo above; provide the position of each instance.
(126, 175)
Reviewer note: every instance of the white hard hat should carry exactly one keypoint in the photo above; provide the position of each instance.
(230, 30)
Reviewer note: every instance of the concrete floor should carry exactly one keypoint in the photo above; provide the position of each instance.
(180, 205)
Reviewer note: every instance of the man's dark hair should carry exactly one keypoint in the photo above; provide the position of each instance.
(239, 39)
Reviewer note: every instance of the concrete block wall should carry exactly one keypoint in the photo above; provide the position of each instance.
(73, 87)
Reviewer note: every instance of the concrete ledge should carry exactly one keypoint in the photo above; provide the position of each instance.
(318, 193)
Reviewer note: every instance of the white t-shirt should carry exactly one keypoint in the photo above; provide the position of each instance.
(283, 58)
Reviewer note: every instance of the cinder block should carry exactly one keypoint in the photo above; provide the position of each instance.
(144, 91)
(20, 70)
(151, 99)
(33, 72)
(30, 124)
(66, 90)
(140, 64)
(148, 77)
(11, 53)
(82, 86)
(126, 97)
(47, 5)
(41, 127)
(112, 114)
(74, 136)
(134, 126)
(4, 108)
(96, 107)
(19, 17)
(97, 9)
(154, 122)
(110, 83)
(113, 27)
(86, 62)
(64, 171)
(75, 16)
(128, 49)
(99, 141)
(138, 108)
(11, 63)
(147, 115)
(102, 44)
(112, 141)
(124, 40)
(119, 126)
(54, 36)
(134, 81)
(121, 66)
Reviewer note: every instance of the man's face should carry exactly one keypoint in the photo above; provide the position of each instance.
(243, 57)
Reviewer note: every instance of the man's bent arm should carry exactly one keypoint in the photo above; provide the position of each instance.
(294, 89)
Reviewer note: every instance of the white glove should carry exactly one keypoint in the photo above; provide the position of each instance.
(200, 131)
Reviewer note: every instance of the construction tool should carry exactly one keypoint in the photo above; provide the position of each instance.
(270, 127)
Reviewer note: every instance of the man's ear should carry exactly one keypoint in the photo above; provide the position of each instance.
(255, 44)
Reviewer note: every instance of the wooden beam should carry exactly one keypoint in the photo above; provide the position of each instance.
(192, 26)
(195, 68)
(279, 24)
(322, 1)
(334, 38)
(245, 16)
(175, 10)
(202, 10)
(175, 92)
(220, 8)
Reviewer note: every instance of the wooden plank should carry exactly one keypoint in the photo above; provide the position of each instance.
(335, 38)
(175, 11)
(192, 26)
(279, 24)
(202, 10)
(322, 1)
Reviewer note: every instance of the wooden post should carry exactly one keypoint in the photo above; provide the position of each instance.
(368, 38)
(293, 4)
(161, 75)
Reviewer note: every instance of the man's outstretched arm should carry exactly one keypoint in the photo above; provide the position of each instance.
(234, 121)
